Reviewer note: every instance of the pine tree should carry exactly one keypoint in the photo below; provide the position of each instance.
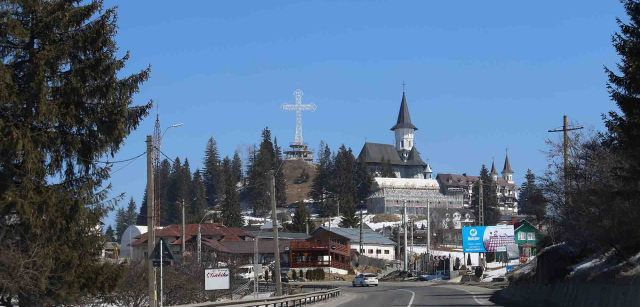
(121, 223)
(363, 181)
(236, 167)
(141, 219)
(196, 210)
(130, 216)
(66, 105)
(281, 184)
(230, 205)
(301, 218)
(531, 200)
(259, 178)
(211, 172)
(489, 197)
(110, 234)
(387, 169)
(162, 181)
(320, 188)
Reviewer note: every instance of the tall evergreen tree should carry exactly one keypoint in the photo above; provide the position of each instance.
(162, 181)
(321, 186)
(531, 200)
(109, 234)
(130, 216)
(301, 218)
(236, 167)
(198, 199)
(121, 223)
(141, 219)
(258, 178)
(230, 204)
(489, 197)
(281, 184)
(387, 170)
(65, 107)
(211, 172)
(363, 181)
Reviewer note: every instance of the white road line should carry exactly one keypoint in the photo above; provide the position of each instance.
(472, 295)
(413, 294)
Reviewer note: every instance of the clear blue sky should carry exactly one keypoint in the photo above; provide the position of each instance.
(481, 76)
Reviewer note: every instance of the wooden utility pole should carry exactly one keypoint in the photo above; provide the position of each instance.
(360, 248)
(183, 233)
(151, 238)
(480, 203)
(274, 219)
(565, 150)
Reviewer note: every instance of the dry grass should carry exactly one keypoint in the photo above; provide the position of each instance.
(385, 217)
(292, 170)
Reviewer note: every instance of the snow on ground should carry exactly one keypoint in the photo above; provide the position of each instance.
(491, 274)
(367, 218)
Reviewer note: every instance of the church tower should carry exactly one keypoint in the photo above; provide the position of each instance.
(507, 173)
(404, 129)
(494, 173)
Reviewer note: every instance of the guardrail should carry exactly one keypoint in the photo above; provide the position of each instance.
(286, 300)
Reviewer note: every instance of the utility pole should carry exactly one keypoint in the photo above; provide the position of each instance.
(360, 248)
(404, 220)
(274, 219)
(428, 233)
(183, 233)
(565, 150)
(480, 213)
(151, 238)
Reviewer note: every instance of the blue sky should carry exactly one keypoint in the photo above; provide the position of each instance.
(481, 76)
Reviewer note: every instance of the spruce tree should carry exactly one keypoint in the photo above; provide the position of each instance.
(531, 200)
(387, 169)
(130, 216)
(141, 218)
(230, 204)
(211, 172)
(236, 167)
(195, 211)
(301, 218)
(110, 234)
(259, 178)
(320, 188)
(162, 181)
(121, 223)
(66, 106)
(489, 197)
(281, 184)
(363, 181)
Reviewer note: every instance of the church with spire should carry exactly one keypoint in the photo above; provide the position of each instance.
(402, 157)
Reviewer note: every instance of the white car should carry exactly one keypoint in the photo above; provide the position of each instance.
(247, 272)
(365, 279)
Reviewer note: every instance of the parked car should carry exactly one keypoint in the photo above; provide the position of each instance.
(247, 272)
(365, 279)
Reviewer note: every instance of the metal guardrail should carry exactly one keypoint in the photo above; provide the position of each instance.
(286, 300)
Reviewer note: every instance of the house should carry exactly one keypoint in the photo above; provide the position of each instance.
(374, 245)
(128, 237)
(526, 237)
(323, 249)
(210, 232)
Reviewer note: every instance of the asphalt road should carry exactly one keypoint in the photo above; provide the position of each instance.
(411, 294)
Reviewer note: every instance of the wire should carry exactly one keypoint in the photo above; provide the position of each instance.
(114, 162)
(119, 169)
(158, 149)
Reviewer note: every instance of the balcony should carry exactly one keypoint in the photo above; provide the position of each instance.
(319, 246)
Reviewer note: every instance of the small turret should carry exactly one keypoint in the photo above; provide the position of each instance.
(507, 172)
(494, 173)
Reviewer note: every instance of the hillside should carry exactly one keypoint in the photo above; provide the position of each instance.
(297, 189)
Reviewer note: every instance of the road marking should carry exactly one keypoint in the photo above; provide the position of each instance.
(473, 295)
(413, 294)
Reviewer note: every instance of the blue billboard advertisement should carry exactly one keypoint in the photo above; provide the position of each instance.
(483, 239)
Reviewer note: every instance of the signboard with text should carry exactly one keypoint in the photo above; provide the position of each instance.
(216, 279)
(483, 239)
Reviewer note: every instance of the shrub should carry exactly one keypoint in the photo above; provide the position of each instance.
(456, 264)
(294, 275)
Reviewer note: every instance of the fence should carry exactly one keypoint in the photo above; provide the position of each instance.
(287, 300)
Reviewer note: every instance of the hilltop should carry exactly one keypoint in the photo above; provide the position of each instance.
(299, 177)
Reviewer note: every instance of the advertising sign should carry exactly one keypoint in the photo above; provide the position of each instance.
(216, 279)
(482, 239)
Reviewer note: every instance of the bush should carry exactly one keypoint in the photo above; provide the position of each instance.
(456, 264)
(294, 275)
(307, 275)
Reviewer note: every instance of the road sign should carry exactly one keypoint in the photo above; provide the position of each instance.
(167, 255)
(216, 279)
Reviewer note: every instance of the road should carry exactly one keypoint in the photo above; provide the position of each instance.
(411, 294)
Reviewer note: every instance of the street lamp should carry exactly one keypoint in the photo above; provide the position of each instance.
(207, 213)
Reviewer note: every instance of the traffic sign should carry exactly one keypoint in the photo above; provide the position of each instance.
(167, 255)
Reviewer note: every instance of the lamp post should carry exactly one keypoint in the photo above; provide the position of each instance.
(207, 213)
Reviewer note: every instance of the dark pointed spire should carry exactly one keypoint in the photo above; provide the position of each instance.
(404, 120)
(493, 168)
(507, 165)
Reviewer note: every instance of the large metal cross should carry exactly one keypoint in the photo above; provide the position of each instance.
(298, 107)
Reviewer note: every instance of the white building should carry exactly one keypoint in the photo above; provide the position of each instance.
(374, 245)
(129, 236)
(391, 194)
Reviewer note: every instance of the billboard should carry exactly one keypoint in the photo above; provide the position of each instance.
(216, 279)
(482, 239)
